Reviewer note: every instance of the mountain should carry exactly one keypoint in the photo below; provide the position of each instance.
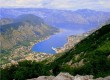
(91, 56)
(23, 30)
(83, 18)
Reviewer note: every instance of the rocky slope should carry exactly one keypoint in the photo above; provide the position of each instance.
(67, 76)
(22, 30)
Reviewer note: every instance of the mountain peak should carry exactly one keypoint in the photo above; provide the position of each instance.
(85, 10)
(30, 18)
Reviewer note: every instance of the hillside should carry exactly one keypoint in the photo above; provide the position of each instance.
(91, 56)
(5, 21)
(23, 30)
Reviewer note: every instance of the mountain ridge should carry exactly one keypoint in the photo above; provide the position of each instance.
(27, 28)
(59, 18)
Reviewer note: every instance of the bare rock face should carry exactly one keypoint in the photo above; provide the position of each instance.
(64, 76)
(43, 78)
(67, 76)
(106, 78)
(87, 77)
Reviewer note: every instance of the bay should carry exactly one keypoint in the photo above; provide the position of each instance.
(55, 41)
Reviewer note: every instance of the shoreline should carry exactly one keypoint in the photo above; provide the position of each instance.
(72, 40)
(26, 53)
(48, 37)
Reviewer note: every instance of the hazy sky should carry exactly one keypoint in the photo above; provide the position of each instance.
(103, 5)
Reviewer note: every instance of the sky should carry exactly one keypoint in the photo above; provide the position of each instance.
(101, 5)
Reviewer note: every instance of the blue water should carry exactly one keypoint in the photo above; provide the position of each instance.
(57, 40)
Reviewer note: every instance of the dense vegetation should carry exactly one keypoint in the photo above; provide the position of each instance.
(91, 56)
(25, 69)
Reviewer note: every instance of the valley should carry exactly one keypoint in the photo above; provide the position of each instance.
(38, 42)
(91, 56)
(18, 36)
(72, 22)
(24, 34)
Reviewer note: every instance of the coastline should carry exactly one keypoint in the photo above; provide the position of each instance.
(48, 37)
(25, 53)
(72, 40)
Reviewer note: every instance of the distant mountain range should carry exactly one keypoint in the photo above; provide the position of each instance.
(25, 23)
(62, 18)
(22, 30)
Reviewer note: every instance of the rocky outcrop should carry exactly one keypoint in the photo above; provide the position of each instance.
(67, 76)
(64, 76)
(106, 78)
(43, 78)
